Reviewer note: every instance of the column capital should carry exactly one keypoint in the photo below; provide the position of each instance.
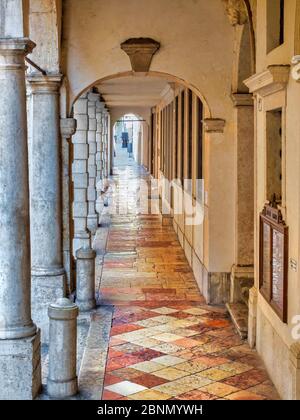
(68, 127)
(21, 45)
(242, 99)
(214, 125)
(40, 85)
(13, 51)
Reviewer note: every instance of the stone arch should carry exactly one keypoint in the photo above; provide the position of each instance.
(119, 113)
(162, 75)
(143, 140)
(250, 12)
(243, 67)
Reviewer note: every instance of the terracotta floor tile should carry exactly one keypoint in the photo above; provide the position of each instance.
(126, 373)
(192, 366)
(245, 381)
(151, 395)
(219, 389)
(167, 337)
(187, 343)
(125, 388)
(123, 329)
(110, 396)
(112, 353)
(162, 326)
(147, 367)
(115, 341)
(167, 348)
(216, 375)
(171, 374)
(149, 380)
(235, 367)
(196, 396)
(168, 360)
(111, 380)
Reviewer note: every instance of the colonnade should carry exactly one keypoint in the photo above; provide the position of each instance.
(36, 226)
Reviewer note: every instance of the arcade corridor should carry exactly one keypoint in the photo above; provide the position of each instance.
(198, 298)
(165, 342)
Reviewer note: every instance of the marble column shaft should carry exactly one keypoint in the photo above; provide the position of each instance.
(68, 129)
(242, 274)
(19, 338)
(48, 274)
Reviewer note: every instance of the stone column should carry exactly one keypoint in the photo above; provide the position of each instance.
(99, 141)
(67, 129)
(242, 275)
(99, 161)
(92, 219)
(105, 146)
(48, 274)
(82, 237)
(20, 369)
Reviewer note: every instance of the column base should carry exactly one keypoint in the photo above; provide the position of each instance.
(44, 291)
(241, 281)
(81, 240)
(86, 305)
(20, 368)
(216, 287)
(252, 320)
(62, 389)
(92, 223)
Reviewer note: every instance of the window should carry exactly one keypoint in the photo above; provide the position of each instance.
(274, 155)
(190, 137)
(182, 134)
(176, 137)
(275, 24)
(200, 139)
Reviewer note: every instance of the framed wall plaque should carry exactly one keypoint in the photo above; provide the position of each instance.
(273, 270)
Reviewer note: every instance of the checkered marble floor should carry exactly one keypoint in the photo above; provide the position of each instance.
(165, 342)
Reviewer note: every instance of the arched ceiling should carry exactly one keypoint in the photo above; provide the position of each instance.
(133, 91)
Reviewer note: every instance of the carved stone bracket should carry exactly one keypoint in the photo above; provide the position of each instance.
(236, 11)
(67, 127)
(296, 68)
(140, 52)
(214, 125)
(242, 99)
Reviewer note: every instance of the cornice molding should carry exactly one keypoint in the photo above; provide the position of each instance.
(274, 79)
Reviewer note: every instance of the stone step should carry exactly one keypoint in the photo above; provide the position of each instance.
(239, 315)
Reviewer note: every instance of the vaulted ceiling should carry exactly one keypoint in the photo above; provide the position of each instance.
(135, 90)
